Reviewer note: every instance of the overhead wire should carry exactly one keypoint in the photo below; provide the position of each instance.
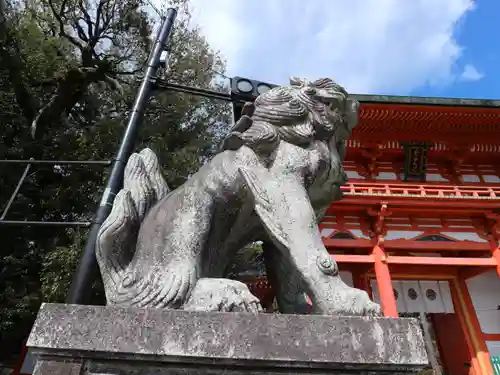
(157, 11)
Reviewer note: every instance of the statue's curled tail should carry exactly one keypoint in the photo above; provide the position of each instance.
(143, 186)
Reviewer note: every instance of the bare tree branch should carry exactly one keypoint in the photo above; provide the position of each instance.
(87, 19)
(79, 29)
(98, 16)
(58, 15)
(107, 16)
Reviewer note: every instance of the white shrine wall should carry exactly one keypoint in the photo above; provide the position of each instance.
(415, 296)
(484, 291)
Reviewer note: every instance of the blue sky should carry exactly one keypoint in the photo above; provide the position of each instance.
(445, 48)
(479, 36)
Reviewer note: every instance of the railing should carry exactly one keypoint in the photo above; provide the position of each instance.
(421, 191)
(28, 164)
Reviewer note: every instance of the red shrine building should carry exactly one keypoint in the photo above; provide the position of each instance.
(419, 225)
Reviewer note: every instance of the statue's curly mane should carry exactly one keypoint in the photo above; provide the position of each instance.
(299, 114)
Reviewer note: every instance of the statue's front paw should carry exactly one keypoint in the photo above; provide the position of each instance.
(222, 295)
(356, 302)
(340, 299)
(364, 305)
(372, 309)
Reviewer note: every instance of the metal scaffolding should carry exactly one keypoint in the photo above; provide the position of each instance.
(28, 164)
(159, 85)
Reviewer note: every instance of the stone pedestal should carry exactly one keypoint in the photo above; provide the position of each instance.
(74, 340)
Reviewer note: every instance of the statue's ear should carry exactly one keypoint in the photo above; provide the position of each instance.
(296, 81)
(264, 205)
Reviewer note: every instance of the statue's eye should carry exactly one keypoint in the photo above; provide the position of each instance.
(310, 91)
(335, 102)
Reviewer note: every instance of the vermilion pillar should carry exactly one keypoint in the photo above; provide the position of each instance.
(384, 283)
(495, 253)
(494, 238)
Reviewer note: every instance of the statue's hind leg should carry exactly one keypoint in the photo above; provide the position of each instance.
(170, 246)
(176, 283)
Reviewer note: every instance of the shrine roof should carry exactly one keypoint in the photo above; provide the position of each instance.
(404, 118)
(426, 100)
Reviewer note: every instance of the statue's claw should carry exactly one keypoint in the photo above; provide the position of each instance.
(244, 302)
(181, 287)
(372, 309)
(362, 304)
(168, 293)
(144, 289)
(348, 301)
(156, 288)
(164, 290)
(222, 295)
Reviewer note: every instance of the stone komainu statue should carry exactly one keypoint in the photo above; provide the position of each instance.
(278, 171)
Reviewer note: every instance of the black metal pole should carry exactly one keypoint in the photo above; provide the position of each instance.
(81, 287)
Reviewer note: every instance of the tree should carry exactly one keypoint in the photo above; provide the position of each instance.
(71, 68)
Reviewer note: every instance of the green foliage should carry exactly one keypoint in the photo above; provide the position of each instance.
(249, 261)
(65, 77)
(59, 266)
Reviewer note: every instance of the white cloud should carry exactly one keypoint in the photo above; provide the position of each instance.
(470, 73)
(369, 46)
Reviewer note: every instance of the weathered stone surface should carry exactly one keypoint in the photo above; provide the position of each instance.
(59, 367)
(130, 340)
